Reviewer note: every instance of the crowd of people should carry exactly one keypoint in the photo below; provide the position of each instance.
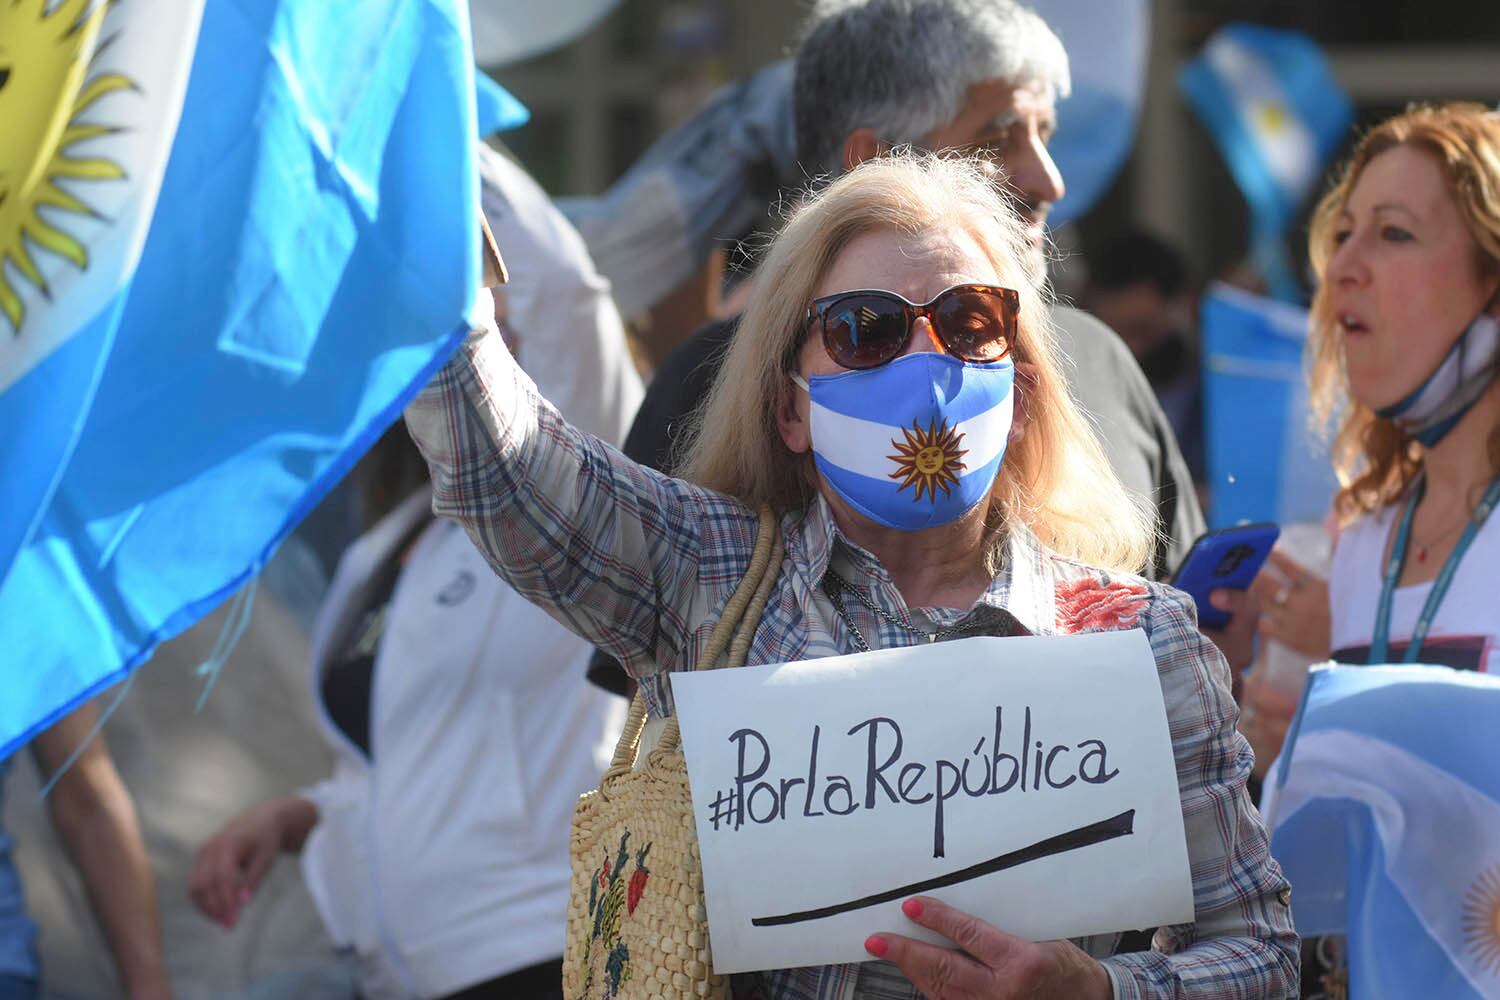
(469, 653)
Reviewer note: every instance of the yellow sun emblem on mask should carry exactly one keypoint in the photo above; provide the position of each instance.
(1481, 923)
(928, 459)
(45, 86)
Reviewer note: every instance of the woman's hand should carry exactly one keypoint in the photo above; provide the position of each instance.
(1236, 640)
(1295, 609)
(232, 863)
(993, 965)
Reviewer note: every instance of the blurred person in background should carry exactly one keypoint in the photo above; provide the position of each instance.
(1405, 345)
(1405, 349)
(462, 729)
(978, 77)
(92, 812)
(1138, 286)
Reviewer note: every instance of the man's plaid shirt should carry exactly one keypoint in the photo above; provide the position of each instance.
(640, 565)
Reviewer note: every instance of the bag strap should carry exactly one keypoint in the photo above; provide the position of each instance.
(734, 630)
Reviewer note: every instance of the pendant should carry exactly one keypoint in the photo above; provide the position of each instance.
(1422, 554)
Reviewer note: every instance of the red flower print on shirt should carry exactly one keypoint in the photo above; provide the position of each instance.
(1094, 605)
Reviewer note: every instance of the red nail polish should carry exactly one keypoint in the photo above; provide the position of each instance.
(876, 946)
(912, 908)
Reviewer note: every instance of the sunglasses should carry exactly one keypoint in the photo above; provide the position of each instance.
(869, 327)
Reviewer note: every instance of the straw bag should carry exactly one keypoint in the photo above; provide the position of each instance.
(637, 927)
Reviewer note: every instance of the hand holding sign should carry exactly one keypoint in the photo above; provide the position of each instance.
(993, 965)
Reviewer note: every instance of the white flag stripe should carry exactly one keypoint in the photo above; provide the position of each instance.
(1438, 832)
(1289, 148)
(864, 446)
(155, 53)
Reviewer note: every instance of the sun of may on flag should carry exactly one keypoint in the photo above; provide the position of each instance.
(1385, 814)
(234, 240)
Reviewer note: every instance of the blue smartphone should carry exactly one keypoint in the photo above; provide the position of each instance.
(1228, 558)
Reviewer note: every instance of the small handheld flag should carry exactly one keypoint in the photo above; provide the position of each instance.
(1277, 114)
(1265, 463)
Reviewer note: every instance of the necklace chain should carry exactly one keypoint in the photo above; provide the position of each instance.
(836, 587)
(1423, 547)
(1447, 532)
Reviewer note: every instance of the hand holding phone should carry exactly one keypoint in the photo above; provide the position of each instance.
(1228, 558)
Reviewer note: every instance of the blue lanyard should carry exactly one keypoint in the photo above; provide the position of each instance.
(1380, 642)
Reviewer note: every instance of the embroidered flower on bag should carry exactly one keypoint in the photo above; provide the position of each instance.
(1095, 605)
(637, 887)
(605, 956)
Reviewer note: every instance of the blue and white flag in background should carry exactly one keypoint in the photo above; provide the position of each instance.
(1385, 815)
(1277, 114)
(302, 176)
(1265, 462)
(1107, 46)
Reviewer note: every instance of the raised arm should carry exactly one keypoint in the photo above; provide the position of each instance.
(1241, 943)
(608, 547)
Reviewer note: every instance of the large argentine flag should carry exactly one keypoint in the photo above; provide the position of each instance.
(1385, 813)
(1277, 114)
(234, 239)
(1265, 462)
(1107, 45)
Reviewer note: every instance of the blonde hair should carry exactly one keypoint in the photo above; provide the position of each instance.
(1055, 480)
(1376, 461)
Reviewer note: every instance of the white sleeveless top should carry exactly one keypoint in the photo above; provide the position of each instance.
(1467, 627)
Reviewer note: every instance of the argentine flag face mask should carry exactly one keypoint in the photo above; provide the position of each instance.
(914, 443)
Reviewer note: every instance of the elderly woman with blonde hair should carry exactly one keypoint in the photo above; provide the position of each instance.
(904, 294)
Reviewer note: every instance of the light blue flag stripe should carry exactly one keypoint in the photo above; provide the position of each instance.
(32, 463)
(871, 486)
(874, 404)
(495, 108)
(311, 261)
(1384, 805)
(1265, 463)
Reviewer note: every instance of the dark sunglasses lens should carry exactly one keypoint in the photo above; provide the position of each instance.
(977, 326)
(863, 331)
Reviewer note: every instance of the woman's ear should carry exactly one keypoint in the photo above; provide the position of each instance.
(792, 419)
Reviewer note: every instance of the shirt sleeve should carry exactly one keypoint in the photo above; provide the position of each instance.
(1241, 944)
(616, 552)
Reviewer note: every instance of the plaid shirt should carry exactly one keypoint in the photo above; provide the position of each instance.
(640, 564)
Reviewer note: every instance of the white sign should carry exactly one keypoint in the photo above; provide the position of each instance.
(1028, 780)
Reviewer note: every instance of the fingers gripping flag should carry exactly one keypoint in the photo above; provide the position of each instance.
(234, 239)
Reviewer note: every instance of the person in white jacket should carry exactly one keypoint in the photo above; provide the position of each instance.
(462, 724)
